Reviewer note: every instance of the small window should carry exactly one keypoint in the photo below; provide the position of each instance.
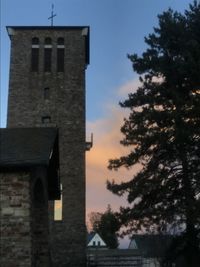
(46, 119)
(99, 243)
(94, 243)
(47, 41)
(58, 204)
(60, 59)
(47, 59)
(35, 41)
(34, 59)
(46, 93)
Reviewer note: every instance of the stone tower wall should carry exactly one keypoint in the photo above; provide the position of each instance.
(66, 107)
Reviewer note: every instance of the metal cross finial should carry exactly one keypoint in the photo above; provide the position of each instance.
(52, 15)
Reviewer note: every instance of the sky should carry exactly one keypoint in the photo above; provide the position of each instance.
(117, 28)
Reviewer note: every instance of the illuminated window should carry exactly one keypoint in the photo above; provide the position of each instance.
(58, 208)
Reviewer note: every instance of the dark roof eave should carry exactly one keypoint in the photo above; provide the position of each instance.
(19, 166)
(47, 27)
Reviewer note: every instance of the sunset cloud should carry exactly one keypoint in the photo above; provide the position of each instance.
(107, 146)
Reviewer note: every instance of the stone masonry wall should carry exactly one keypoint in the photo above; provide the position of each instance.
(39, 219)
(15, 228)
(24, 231)
(66, 107)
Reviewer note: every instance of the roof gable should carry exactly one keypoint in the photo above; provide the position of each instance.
(94, 238)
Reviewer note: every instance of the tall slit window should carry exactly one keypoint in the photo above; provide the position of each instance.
(60, 54)
(58, 205)
(35, 54)
(46, 93)
(47, 54)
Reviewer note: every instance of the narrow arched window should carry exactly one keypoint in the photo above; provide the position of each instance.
(35, 54)
(47, 54)
(46, 93)
(47, 41)
(38, 192)
(60, 41)
(60, 54)
(35, 41)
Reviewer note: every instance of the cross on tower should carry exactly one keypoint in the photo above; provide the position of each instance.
(52, 15)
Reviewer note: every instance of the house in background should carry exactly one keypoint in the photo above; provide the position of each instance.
(152, 248)
(95, 241)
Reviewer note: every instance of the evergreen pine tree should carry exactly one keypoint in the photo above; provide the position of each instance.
(106, 225)
(163, 133)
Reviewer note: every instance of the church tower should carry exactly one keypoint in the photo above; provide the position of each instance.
(47, 89)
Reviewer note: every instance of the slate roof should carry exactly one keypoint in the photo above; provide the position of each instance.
(90, 236)
(151, 246)
(26, 146)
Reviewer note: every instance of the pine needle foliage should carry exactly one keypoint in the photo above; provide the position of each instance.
(163, 133)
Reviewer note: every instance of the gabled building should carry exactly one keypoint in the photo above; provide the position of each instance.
(95, 241)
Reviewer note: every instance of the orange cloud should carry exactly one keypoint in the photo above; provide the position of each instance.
(107, 146)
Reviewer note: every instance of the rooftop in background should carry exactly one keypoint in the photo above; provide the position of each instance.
(94, 240)
(151, 245)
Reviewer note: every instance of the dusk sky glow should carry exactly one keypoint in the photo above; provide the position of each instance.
(117, 28)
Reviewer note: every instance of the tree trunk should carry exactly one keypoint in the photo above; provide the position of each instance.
(192, 250)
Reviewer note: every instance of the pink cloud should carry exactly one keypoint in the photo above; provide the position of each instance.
(106, 146)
